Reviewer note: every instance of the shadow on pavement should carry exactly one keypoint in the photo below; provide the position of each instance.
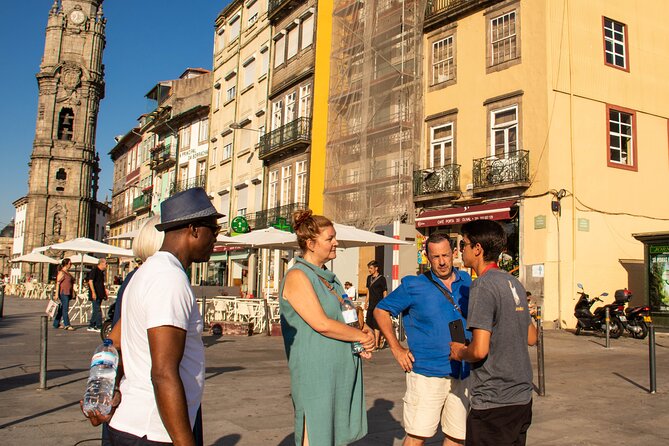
(381, 423)
(212, 372)
(631, 382)
(33, 378)
(288, 441)
(33, 416)
(228, 440)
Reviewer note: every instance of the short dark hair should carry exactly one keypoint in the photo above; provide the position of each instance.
(487, 233)
(374, 263)
(436, 237)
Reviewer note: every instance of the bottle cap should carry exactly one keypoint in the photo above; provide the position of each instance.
(107, 342)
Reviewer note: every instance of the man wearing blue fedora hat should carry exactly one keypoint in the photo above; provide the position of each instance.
(161, 331)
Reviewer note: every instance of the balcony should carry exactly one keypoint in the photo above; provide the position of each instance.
(437, 11)
(162, 157)
(276, 9)
(436, 183)
(189, 183)
(278, 217)
(294, 135)
(141, 203)
(493, 173)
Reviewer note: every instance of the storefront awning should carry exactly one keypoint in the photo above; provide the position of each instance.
(226, 248)
(455, 216)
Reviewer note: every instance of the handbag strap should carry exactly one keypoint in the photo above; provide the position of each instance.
(444, 291)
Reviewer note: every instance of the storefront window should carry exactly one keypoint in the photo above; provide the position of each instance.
(216, 273)
(658, 283)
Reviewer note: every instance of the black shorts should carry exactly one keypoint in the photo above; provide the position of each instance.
(501, 426)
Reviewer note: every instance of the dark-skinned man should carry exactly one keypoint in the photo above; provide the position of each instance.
(161, 333)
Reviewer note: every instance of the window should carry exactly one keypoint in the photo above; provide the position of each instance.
(503, 38)
(61, 175)
(230, 93)
(279, 49)
(276, 114)
(252, 13)
(443, 67)
(66, 124)
(202, 171)
(227, 152)
(249, 72)
(290, 108)
(305, 101)
(217, 95)
(264, 60)
(615, 44)
(293, 38)
(441, 146)
(286, 174)
(504, 132)
(203, 133)
(220, 38)
(213, 155)
(301, 182)
(272, 191)
(261, 132)
(621, 138)
(307, 31)
(234, 28)
(185, 137)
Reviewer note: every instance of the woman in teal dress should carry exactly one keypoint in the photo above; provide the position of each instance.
(326, 377)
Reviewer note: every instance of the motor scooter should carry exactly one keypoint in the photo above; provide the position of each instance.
(589, 321)
(632, 318)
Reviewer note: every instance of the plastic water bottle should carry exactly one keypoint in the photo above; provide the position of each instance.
(351, 318)
(101, 379)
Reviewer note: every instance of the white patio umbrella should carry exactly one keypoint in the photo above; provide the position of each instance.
(83, 245)
(35, 257)
(268, 238)
(225, 240)
(352, 237)
(85, 258)
(130, 235)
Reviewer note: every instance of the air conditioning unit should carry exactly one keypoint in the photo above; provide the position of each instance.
(469, 186)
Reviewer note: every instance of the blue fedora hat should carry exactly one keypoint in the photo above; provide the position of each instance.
(186, 207)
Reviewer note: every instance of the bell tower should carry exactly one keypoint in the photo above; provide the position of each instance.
(62, 181)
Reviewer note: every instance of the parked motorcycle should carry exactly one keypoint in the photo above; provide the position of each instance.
(632, 318)
(589, 321)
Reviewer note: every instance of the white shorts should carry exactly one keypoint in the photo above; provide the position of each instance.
(431, 400)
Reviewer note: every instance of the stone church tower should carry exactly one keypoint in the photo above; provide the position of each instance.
(62, 184)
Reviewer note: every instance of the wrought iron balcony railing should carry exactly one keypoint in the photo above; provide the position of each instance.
(189, 183)
(493, 171)
(436, 181)
(162, 157)
(295, 132)
(279, 216)
(439, 6)
(141, 202)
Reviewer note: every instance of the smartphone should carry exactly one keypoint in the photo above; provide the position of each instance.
(457, 331)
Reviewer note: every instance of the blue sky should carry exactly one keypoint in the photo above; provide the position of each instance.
(147, 41)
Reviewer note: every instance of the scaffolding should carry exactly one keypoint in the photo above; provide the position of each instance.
(375, 111)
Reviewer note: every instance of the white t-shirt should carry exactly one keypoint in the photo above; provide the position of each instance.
(159, 294)
(350, 292)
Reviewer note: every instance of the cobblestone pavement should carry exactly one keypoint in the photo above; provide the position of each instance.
(594, 396)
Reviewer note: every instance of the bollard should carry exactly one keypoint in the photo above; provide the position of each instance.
(651, 356)
(44, 333)
(607, 320)
(540, 354)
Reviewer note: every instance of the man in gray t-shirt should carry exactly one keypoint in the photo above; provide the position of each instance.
(501, 378)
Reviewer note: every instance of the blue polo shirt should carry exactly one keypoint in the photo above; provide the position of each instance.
(426, 313)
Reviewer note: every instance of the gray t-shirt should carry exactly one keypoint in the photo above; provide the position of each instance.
(498, 304)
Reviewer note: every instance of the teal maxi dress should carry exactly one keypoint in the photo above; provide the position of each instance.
(325, 375)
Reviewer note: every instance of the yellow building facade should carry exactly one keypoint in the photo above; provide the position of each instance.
(556, 110)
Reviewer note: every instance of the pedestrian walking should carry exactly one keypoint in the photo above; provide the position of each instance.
(96, 294)
(377, 289)
(63, 294)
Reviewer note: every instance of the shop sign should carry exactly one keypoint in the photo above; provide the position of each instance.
(540, 222)
(456, 216)
(659, 249)
(584, 225)
(192, 154)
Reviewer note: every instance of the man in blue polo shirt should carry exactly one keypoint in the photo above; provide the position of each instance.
(436, 386)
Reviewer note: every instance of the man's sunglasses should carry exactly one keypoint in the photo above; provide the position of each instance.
(463, 244)
(215, 228)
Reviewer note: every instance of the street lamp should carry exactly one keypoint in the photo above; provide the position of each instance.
(238, 126)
